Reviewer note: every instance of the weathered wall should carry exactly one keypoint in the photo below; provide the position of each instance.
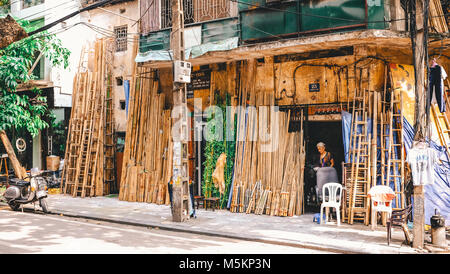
(79, 31)
(124, 14)
(335, 76)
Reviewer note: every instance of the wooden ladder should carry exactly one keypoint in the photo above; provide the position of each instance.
(90, 180)
(442, 127)
(395, 166)
(109, 141)
(74, 134)
(359, 182)
(80, 182)
(75, 125)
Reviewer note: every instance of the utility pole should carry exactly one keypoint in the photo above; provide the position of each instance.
(418, 27)
(180, 194)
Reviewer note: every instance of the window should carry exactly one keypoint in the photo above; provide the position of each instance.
(121, 38)
(166, 13)
(196, 11)
(31, 3)
(122, 104)
(119, 81)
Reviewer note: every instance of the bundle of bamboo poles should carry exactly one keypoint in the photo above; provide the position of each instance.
(83, 166)
(268, 173)
(437, 17)
(147, 162)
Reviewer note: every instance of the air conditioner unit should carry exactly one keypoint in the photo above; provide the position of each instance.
(182, 72)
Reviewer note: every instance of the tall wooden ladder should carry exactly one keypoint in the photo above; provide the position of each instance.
(75, 126)
(80, 182)
(359, 182)
(442, 127)
(109, 141)
(384, 134)
(441, 120)
(74, 135)
(395, 166)
(90, 179)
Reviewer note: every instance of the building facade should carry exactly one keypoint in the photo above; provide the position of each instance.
(313, 56)
(117, 20)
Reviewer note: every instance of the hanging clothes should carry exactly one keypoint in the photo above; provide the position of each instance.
(422, 161)
(436, 87)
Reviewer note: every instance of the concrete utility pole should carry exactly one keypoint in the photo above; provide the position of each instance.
(418, 27)
(180, 194)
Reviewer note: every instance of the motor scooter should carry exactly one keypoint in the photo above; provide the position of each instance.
(21, 192)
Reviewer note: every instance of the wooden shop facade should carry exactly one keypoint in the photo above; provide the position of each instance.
(316, 71)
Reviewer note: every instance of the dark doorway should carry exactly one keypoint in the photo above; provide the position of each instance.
(329, 133)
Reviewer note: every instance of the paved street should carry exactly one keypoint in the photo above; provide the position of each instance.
(38, 233)
(297, 231)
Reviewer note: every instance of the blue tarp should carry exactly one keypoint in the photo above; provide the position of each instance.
(126, 87)
(437, 194)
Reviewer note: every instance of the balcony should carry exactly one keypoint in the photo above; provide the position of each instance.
(209, 25)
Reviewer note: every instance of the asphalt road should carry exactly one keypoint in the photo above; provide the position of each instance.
(49, 234)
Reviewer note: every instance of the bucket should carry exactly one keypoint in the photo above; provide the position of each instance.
(53, 162)
(316, 218)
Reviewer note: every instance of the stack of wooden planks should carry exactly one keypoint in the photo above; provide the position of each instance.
(84, 157)
(147, 162)
(269, 162)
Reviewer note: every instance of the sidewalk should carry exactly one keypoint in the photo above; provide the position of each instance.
(294, 231)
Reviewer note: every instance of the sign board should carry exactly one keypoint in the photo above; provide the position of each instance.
(199, 80)
(315, 87)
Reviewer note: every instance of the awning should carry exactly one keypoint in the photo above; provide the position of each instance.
(193, 52)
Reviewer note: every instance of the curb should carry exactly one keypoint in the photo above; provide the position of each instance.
(203, 232)
(199, 232)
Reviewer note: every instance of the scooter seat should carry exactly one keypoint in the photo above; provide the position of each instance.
(18, 182)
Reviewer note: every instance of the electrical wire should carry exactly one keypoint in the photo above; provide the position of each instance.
(46, 10)
(142, 16)
(327, 17)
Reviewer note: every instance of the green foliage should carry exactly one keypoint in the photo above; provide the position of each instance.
(19, 110)
(4, 2)
(213, 150)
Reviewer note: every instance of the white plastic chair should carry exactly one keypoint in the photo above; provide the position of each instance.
(333, 200)
(381, 201)
(378, 206)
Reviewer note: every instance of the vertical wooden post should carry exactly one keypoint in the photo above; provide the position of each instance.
(418, 28)
(180, 194)
(418, 39)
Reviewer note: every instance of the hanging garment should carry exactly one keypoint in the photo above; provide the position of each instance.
(436, 86)
(422, 161)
